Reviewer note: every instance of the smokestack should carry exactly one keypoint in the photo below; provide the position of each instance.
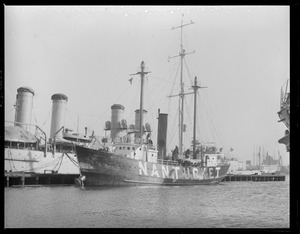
(59, 104)
(162, 135)
(137, 121)
(117, 111)
(24, 102)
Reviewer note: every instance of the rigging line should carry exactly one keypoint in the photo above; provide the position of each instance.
(59, 162)
(75, 125)
(199, 129)
(47, 118)
(209, 112)
(173, 84)
(156, 103)
(216, 136)
(161, 87)
(108, 108)
(187, 68)
(210, 123)
(134, 100)
(175, 77)
(184, 58)
(189, 120)
(193, 62)
(34, 115)
(72, 160)
(128, 87)
(175, 118)
(201, 121)
(220, 129)
(149, 96)
(100, 117)
(175, 134)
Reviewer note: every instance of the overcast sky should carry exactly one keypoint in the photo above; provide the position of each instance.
(88, 53)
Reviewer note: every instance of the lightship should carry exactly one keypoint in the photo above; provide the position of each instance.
(138, 162)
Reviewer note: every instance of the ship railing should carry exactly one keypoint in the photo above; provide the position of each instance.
(37, 128)
(167, 162)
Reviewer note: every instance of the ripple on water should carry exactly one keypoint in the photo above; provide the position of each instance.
(228, 205)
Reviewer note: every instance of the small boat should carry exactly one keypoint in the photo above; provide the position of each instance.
(77, 137)
(137, 162)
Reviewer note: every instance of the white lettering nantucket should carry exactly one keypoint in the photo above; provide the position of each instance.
(154, 171)
(142, 168)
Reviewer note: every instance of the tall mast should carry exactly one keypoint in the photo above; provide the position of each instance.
(195, 87)
(142, 73)
(182, 53)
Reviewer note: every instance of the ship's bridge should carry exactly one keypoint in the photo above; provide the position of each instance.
(136, 151)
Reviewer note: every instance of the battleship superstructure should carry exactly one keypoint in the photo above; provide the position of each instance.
(27, 148)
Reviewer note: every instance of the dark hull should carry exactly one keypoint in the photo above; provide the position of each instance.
(102, 168)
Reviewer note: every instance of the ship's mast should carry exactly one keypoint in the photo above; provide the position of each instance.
(181, 95)
(195, 87)
(142, 73)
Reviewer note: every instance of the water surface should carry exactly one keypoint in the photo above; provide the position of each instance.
(226, 205)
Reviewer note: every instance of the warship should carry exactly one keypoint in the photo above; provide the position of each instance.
(27, 149)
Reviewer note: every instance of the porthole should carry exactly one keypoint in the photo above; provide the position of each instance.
(133, 148)
(128, 148)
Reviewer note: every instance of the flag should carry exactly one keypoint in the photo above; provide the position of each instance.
(130, 80)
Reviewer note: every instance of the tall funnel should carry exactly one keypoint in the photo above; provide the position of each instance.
(24, 102)
(162, 135)
(137, 121)
(117, 111)
(59, 104)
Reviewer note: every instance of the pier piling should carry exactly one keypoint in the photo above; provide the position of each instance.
(31, 179)
(254, 178)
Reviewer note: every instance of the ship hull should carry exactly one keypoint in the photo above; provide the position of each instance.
(101, 168)
(34, 161)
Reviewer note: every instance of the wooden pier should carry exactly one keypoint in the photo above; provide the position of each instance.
(34, 179)
(24, 179)
(255, 178)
